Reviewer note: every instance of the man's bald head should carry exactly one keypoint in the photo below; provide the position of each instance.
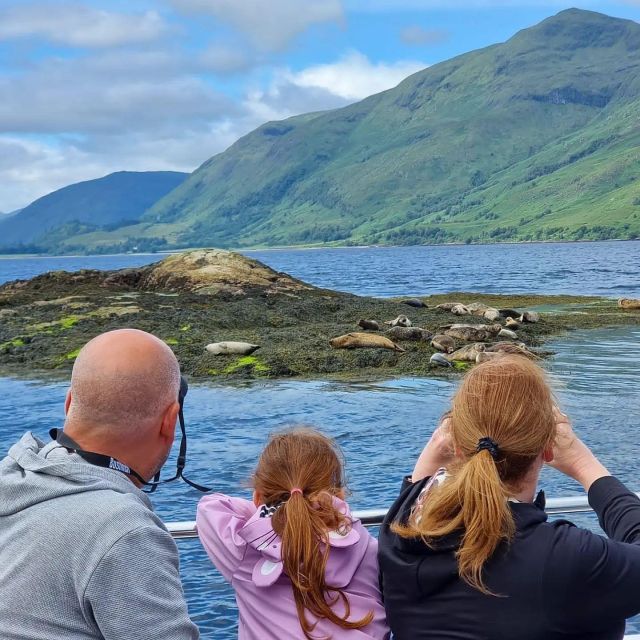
(123, 381)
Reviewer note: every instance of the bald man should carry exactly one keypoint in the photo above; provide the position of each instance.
(82, 554)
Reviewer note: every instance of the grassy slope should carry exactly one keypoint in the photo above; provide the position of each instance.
(536, 138)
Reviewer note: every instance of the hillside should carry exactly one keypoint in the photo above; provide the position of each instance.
(106, 203)
(533, 139)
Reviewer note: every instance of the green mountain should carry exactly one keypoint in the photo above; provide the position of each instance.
(537, 138)
(106, 203)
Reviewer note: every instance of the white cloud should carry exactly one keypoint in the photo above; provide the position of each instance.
(354, 76)
(269, 25)
(148, 110)
(79, 25)
(117, 92)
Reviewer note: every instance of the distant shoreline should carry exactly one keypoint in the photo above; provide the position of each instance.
(17, 256)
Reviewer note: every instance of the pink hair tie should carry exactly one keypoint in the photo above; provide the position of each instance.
(295, 490)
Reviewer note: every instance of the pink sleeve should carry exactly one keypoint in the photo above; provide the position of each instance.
(219, 518)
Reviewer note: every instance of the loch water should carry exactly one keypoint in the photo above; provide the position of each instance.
(381, 426)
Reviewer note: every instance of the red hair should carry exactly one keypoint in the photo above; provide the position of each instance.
(305, 459)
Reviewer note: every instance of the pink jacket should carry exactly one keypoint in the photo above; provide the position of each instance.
(246, 550)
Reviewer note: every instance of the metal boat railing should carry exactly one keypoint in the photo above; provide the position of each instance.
(374, 517)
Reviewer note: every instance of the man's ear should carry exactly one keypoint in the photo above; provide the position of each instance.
(67, 403)
(168, 424)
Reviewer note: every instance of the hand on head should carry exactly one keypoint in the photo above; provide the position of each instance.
(572, 457)
(438, 452)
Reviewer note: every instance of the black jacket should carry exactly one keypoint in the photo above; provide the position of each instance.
(555, 581)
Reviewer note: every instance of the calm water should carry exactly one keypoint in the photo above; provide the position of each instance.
(381, 427)
(589, 268)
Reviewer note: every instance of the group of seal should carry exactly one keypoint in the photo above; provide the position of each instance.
(490, 313)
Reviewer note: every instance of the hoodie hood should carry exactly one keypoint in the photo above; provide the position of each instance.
(34, 472)
(344, 559)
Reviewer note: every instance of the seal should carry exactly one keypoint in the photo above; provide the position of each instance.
(507, 333)
(629, 303)
(510, 313)
(400, 321)
(518, 348)
(468, 353)
(491, 314)
(530, 316)
(369, 325)
(474, 333)
(477, 308)
(414, 302)
(439, 360)
(231, 348)
(443, 343)
(460, 310)
(447, 306)
(512, 323)
(364, 341)
(483, 356)
(409, 333)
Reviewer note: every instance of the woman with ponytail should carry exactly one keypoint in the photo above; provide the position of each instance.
(301, 566)
(466, 551)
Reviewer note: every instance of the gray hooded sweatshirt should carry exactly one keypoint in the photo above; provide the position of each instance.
(82, 555)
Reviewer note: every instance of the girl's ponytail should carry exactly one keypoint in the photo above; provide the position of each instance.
(301, 469)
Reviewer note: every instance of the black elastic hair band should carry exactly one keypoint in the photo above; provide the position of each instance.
(490, 445)
(107, 462)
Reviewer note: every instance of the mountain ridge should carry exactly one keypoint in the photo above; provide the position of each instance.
(532, 139)
(107, 203)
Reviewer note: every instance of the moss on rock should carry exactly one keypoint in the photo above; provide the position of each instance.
(291, 322)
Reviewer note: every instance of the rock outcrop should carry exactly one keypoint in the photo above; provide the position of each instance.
(211, 271)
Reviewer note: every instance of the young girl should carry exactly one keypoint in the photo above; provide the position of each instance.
(300, 565)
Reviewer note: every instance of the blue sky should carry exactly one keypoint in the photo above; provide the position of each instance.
(88, 87)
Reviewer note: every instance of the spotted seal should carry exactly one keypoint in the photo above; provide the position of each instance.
(369, 325)
(629, 303)
(400, 321)
(474, 333)
(460, 310)
(518, 348)
(444, 343)
(530, 316)
(364, 341)
(409, 333)
(468, 353)
(447, 306)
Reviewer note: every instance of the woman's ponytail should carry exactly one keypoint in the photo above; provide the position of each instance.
(486, 515)
(501, 421)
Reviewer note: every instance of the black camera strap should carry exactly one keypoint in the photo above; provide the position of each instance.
(96, 459)
(108, 462)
